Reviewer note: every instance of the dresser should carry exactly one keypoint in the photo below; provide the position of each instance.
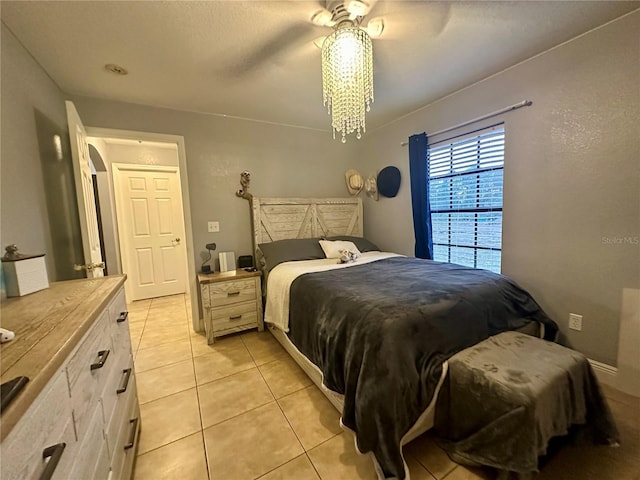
(78, 415)
(231, 302)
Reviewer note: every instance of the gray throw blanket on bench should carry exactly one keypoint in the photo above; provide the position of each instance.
(380, 333)
(506, 397)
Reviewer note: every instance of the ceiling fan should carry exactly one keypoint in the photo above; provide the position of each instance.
(354, 11)
(332, 13)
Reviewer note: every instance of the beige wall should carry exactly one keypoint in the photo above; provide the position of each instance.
(283, 161)
(572, 177)
(39, 211)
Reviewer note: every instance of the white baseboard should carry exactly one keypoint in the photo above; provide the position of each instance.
(625, 379)
(605, 373)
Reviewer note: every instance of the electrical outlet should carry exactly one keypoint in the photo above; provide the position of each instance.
(213, 227)
(575, 322)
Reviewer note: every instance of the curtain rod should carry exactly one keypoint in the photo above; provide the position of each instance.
(524, 103)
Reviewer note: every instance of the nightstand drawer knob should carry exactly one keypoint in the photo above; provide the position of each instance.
(233, 294)
(235, 317)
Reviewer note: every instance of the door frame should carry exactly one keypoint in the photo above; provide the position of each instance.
(117, 170)
(100, 132)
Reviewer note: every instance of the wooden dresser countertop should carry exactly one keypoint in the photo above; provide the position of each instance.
(48, 325)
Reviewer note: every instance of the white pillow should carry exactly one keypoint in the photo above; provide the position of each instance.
(331, 248)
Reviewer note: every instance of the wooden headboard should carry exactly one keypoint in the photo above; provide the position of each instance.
(284, 218)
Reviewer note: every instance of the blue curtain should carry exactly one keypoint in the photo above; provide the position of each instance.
(420, 195)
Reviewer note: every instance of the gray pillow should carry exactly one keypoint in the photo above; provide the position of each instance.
(280, 251)
(362, 243)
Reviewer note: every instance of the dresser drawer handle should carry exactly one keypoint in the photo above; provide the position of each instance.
(132, 434)
(126, 375)
(54, 453)
(235, 317)
(233, 294)
(123, 317)
(102, 358)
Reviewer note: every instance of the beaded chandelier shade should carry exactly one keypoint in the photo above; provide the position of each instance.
(347, 79)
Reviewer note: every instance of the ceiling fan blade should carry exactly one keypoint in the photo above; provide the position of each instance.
(276, 46)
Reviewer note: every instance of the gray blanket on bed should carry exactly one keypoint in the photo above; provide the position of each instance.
(499, 408)
(380, 333)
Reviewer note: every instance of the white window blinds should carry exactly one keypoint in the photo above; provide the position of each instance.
(465, 193)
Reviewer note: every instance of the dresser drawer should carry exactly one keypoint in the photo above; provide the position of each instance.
(119, 323)
(119, 384)
(126, 440)
(48, 422)
(120, 412)
(232, 292)
(88, 370)
(91, 452)
(234, 316)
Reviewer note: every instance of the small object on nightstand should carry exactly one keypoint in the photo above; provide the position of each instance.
(245, 261)
(207, 268)
(227, 261)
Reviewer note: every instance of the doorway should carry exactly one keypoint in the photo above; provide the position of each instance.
(146, 152)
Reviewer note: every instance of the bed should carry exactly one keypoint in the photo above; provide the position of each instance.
(375, 334)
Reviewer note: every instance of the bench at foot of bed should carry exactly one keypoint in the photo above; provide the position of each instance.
(507, 396)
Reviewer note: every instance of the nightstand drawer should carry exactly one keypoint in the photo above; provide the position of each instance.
(231, 317)
(236, 291)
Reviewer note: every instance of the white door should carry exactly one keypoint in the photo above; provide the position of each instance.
(93, 263)
(151, 229)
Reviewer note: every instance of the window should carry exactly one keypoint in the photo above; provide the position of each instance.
(465, 192)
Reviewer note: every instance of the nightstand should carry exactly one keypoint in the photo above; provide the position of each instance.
(232, 302)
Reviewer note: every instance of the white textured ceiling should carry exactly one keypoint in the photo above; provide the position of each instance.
(256, 59)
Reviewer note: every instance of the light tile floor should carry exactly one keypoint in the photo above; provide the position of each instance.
(241, 409)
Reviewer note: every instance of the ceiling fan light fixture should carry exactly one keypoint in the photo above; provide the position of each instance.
(323, 18)
(347, 79)
(375, 27)
(357, 7)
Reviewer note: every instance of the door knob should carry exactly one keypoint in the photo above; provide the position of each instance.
(88, 267)
(176, 241)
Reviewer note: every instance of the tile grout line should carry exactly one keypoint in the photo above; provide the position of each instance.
(197, 398)
(313, 465)
(304, 450)
(283, 414)
(195, 378)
